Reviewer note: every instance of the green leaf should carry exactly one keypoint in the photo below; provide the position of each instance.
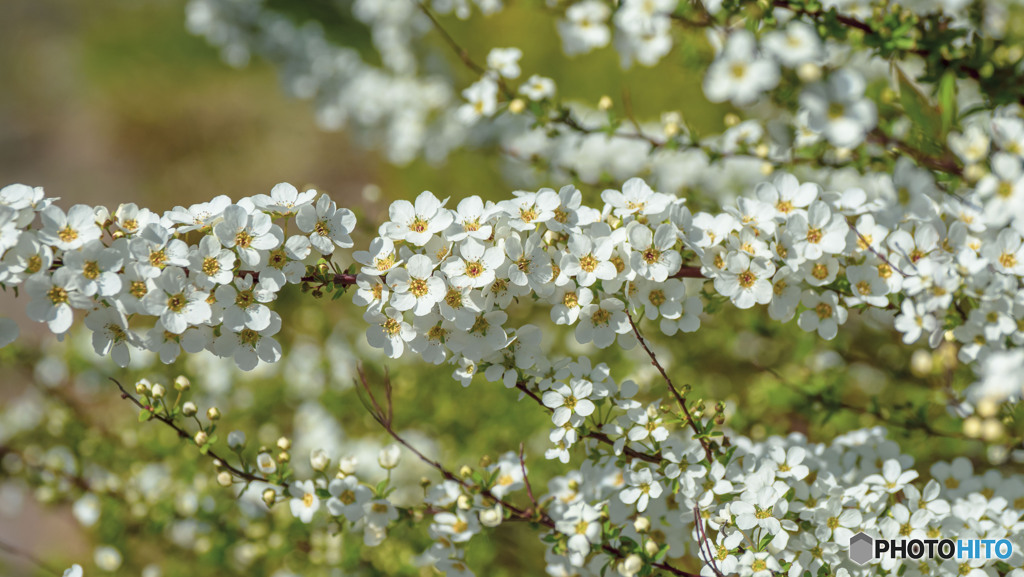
(947, 101)
(145, 415)
(926, 117)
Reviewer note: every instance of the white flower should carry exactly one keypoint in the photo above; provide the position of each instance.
(284, 199)
(1006, 253)
(379, 259)
(797, 44)
(581, 522)
(248, 233)
(210, 263)
(417, 223)
(505, 61)
(388, 456)
(52, 299)
(567, 400)
(914, 320)
(74, 571)
(893, 478)
(198, 216)
(642, 487)
(326, 224)
(110, 334)
(568, 301)
(739, 74)
(652, 255)
(244, 301)
(484, 336)
(177, 302)
(266, 464)
(458, 527)
(482, 100)
(529, 265)
(839, 110)
(470, 220)
(348, 497)
(68, 231)
(538, 88)
(95, 267)
(528, 209)
(601, 322)
(388, 331)
(475, 266)
(761, 564)
(636, 198)
(746, 281)
(786, 195)
(153, 250)
(819, 232)
(248, 346)
(417, 286)
(584, 28)
(304, 503)
(824, 315)
(588, 259)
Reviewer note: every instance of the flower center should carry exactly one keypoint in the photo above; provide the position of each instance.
(819, 271)
(307, 500)
(824, 310)
(1008, 260)
(211, 266)
(814, 235)
(138, 289)
(784, 206)
(385, 263)
(35, 262)
(391, 327)
(418, 225)
(418, 287)
(651, 255)
(157, 258)
(91, 270)
(244, 299)
(176, 302)
(528, 214)
(588, 263)
(249, 337)
(657, 297)
(570, 300)
(243, 239)
(67, 234)
(321, 228)
(746, 279)
(474, 269)
(57, 295)
(453, 298)
(600, 317)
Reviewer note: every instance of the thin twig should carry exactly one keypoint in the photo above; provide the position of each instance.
(675, 392)
(185, 435)
(526, 478)
(702, 540)
(17, 552)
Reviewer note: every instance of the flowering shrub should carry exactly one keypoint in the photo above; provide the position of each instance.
(875, 182)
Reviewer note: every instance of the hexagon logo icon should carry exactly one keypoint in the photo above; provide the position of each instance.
(861, 548)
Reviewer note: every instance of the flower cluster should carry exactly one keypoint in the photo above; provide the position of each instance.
(191, 279)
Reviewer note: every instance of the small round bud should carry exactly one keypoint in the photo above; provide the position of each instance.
(517, 106)
(651, 548)
(463, 502)
(605, 103)
(465, 471)
(142, 387)
(387, 458)
(284, 457)
(201, 438)
(485, 461)
(270, 497)
(987, 407)
(224, 479)
(182, 383)
(631, 565)
(159, 391)
(972, 426)
(491, 517)
(808, 72)
(642, 524)
(189, 409)
(319, 460)
(424, 482)
(731, 120)
(991, 430)
(921, 363)
(284, 443)
(236, 439)
(213, 413)
(347, 465)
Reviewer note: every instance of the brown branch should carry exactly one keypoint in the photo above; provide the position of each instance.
(18, 552)
(675, 392)
(531, 515)
(185, 435)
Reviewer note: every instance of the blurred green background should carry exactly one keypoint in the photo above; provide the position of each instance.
(111, 101)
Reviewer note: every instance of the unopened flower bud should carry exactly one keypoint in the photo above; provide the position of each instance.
(224, 479)
(491, 517)
(631, 565)
(605, 103)
(516, 106)
(142, 387)
(465, 471)
(182, 383)
(159, 391)
(270, 497)
(213, 413)
(284, 457)
(347, 465)
(319, 460)
(387, 458)
(201, 438)
(284, 443)
(651, 547)
(236, 439)
(189, 409)
(463, 502)
(642, 524)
